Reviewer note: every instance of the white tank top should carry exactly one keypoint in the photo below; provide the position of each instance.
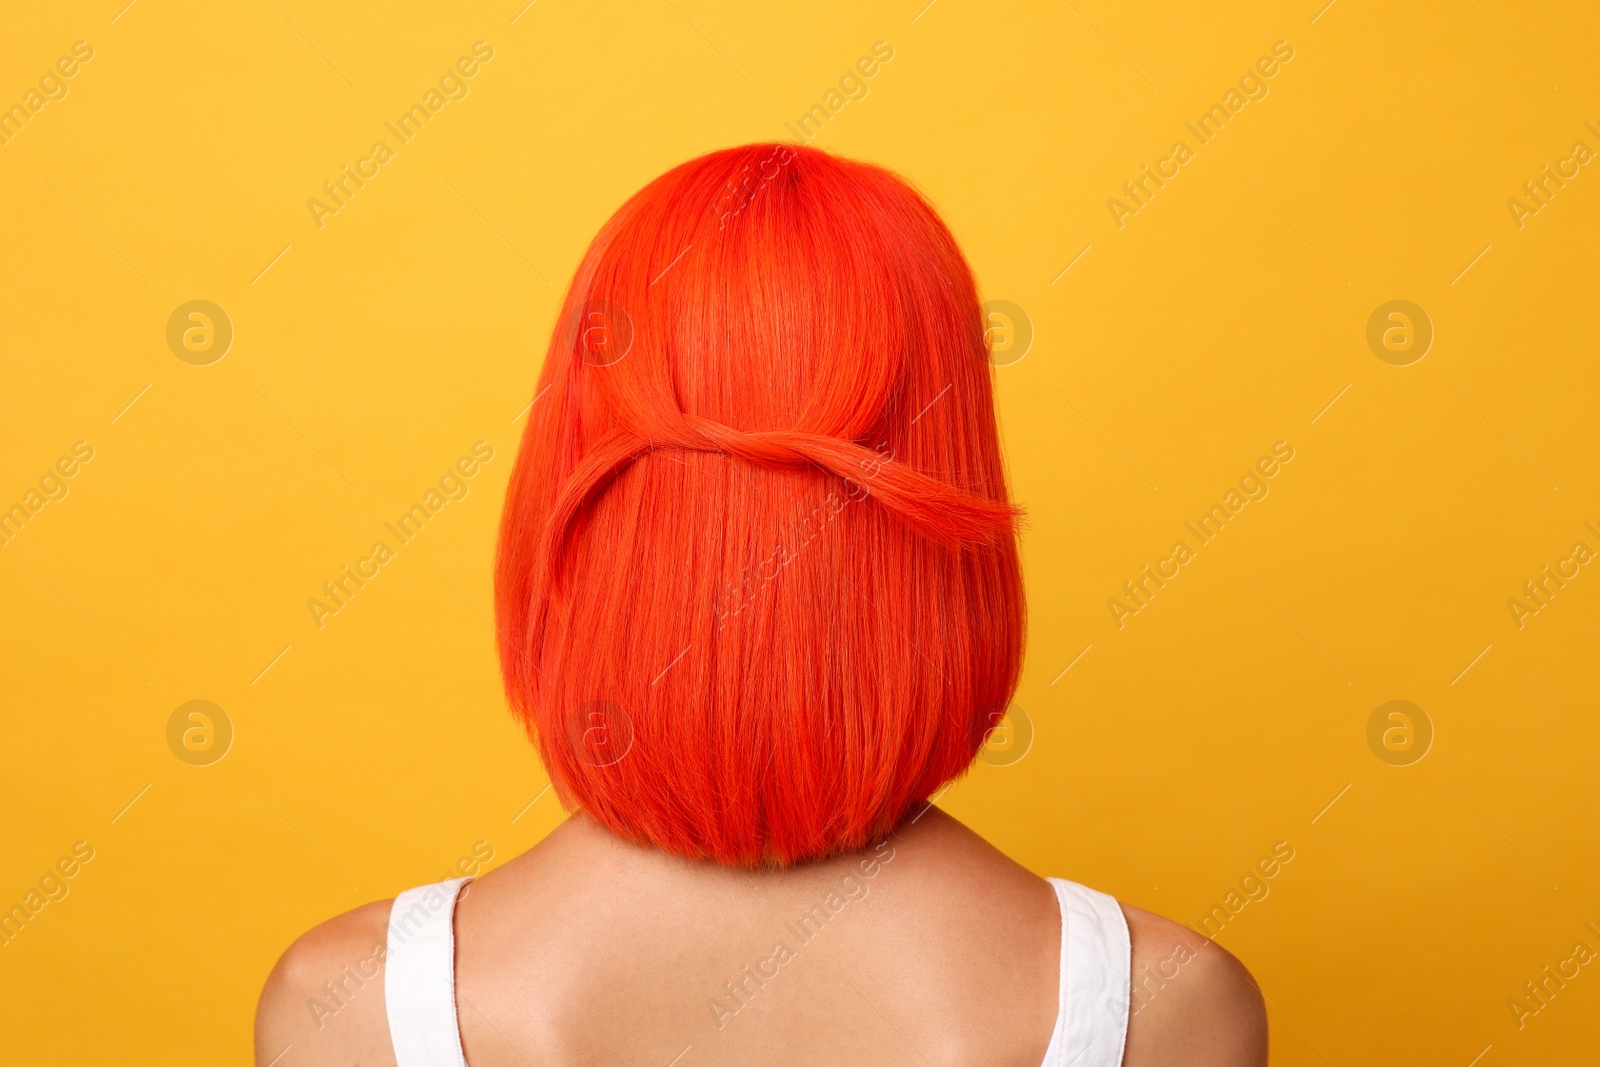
(419, 981)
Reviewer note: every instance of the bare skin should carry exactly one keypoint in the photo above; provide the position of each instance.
(589, 950)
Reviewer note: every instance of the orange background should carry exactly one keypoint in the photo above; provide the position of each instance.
(1228, 313)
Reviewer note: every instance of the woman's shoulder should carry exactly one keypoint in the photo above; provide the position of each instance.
(1190, 1000)
(324, 997)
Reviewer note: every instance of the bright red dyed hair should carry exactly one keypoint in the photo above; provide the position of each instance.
(757, 585)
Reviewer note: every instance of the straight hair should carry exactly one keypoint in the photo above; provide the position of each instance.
(757, 585)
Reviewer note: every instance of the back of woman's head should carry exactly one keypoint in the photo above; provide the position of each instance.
(757, 586)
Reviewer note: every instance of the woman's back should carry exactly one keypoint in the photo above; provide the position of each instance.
(931, 948)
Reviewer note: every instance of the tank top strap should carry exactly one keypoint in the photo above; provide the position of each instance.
(419, 978)
(1096, 975)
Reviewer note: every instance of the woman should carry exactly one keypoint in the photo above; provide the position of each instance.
(758, 598)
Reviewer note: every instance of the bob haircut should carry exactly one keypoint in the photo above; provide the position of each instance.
(757, 585)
